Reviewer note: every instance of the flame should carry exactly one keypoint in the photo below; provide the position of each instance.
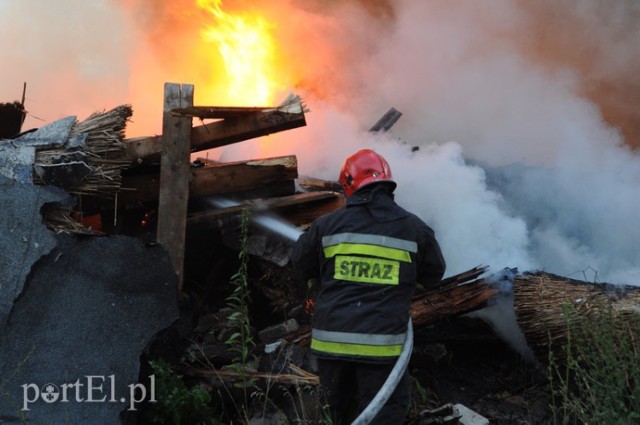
(309, 306)
(248, 50)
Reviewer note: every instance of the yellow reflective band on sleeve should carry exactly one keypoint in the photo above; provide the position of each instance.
(356, 349)
(365, 249)
(367, 270)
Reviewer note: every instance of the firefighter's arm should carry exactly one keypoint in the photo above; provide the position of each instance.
(431, 264)
(305, 255)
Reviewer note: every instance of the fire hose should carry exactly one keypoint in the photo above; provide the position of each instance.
(399, 368)
(389, 386)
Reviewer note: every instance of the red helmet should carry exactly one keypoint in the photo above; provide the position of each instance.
(362, 168)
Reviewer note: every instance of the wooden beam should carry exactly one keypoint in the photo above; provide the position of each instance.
(239, 176)
(232, 130)
(214, 179)
(220, 133)
(453, 296)
(174, 176)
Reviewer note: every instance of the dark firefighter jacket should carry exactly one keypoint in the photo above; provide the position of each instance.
(368, 257)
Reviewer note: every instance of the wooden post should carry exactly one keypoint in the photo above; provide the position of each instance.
(174, 176)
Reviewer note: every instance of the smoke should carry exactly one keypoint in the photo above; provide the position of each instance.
(522, 111)
(72, 54)
(501, 315)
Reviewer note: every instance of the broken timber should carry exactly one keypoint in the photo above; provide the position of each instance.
(387, 121)
(180, 138)
(220, 178)
(453, 296)
(242, 124)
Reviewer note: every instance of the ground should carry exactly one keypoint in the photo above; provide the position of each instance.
(486, 376)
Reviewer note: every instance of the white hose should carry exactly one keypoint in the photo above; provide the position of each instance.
(389, 386)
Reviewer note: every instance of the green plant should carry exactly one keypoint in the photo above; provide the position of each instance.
(596, 378)
(419, 398)
(177, 404)
(241, 339)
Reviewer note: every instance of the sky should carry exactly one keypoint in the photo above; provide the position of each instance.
(522, 113)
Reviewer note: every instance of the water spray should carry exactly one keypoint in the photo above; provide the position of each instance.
(270, 223)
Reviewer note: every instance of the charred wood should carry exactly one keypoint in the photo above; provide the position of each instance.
(312, 184)
(453, 296)
(217, 179)
(220, 133)
(387, 121)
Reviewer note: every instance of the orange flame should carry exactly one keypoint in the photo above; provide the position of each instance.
(248, 50)
(309, 306)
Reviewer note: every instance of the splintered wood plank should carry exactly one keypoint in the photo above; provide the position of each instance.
(266, 176)
(312, 184)
(221, 133)
(245, 175)
(232, 130)
(174, 176)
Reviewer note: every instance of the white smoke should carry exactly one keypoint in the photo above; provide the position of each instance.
(517, 165)
(470, 92)
(74, 56)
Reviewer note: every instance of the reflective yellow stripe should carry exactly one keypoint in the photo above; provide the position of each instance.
(367, 270)
(369, 239)
(364, 249)
(356, 349)
(358, 338)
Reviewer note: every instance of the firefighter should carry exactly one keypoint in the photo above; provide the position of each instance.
(367, 258)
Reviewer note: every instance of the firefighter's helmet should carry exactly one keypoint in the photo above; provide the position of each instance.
(362, 168)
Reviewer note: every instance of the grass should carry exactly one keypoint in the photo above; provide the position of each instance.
(595, 378)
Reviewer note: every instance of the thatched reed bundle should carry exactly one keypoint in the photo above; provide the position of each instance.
(101, 152)
(541, 301)
(103, 149)
(60, 219)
